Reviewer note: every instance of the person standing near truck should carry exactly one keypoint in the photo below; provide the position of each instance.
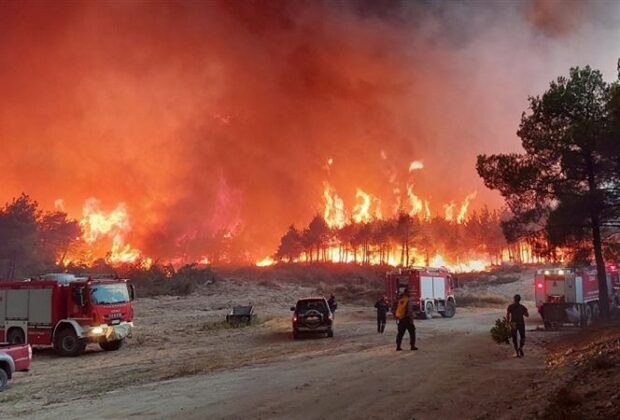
(404, 314)
(515, 316)
(332, 305)
(382, 310)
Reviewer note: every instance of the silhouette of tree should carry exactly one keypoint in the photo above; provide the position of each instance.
(291, 245)
(565, 184)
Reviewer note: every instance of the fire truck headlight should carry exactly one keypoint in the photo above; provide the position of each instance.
(97, 331)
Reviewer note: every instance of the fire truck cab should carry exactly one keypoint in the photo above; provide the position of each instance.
(66, 313)
(571, 296)
(431, 290)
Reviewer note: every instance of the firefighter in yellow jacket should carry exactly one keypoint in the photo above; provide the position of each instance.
(404, 314)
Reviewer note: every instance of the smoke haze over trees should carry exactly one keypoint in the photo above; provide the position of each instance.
(213, 120)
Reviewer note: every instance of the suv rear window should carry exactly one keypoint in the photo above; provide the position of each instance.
(317, 304)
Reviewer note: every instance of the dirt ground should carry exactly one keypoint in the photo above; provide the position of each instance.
(182, 361)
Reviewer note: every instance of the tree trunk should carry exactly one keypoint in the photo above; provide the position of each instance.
(597, 243)
(603, 294)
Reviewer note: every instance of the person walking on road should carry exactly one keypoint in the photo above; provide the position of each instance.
(332, 305)
(382, 310)
(515, 316)
(404, 314)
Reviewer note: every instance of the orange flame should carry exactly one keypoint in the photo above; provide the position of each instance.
(97, 225)
(265, 262)
(416, 165)
(363, 211)
(464, 207)
(334, 213)
(449, 211)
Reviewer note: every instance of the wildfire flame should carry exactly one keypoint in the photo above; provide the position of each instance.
(97, 224)
(416, 165)
(465, 207)
(449, 211)
(334, 213)
(265, 262)
(363, 211)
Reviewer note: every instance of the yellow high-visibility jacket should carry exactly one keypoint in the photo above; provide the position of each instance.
(401, 308)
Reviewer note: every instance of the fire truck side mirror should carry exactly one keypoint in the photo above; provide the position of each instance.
(132, 291)
(78, 295)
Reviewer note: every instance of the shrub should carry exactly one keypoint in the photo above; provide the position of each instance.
(501, 331)
(165, 280)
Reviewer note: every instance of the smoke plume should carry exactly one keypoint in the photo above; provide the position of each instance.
(218, 118)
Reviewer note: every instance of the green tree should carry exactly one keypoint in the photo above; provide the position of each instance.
(564, 185)
(32, 240)
(316, 236)
(18, 230)
(290, 245)
(57, 233)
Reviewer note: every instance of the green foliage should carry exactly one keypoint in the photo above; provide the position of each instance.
(32, 240)
(563, 189)
(562, 183)
(501, 331)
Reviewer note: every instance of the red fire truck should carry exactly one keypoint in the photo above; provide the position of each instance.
(67, 313)
(430, 290)
(570, 296)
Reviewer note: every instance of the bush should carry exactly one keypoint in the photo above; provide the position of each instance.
(482, 300)
(164, 280)
(501, 331)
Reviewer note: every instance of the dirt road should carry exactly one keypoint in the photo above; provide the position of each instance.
(197, 370)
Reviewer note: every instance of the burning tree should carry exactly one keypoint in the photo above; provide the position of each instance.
(564, 187)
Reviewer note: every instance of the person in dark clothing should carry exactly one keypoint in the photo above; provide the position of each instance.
(515, 317)
(382, 310)
(332, 305)
(404, 314)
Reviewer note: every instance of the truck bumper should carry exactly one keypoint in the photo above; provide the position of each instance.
(560, 313)
(106, 332)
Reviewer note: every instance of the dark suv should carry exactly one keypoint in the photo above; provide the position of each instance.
(312, 315)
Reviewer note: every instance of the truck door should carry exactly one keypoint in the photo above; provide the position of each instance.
(554, 287)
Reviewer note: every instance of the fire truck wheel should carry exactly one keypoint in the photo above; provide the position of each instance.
(428, 310)
(4, 379)
(67, 343)
(450, 309)
(16, 336)
(111, 345)
(330, 333)
(596, 311)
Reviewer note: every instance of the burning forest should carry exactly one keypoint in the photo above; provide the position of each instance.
(208, 183)
(202, 133)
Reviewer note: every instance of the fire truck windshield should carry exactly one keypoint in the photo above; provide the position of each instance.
(104, 294)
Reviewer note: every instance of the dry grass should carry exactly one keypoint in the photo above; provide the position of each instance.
(481, 300)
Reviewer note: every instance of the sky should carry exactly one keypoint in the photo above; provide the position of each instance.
(220, 116)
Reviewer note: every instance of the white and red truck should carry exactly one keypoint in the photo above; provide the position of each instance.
(570, 296)
(431, 290)
(67, 313)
